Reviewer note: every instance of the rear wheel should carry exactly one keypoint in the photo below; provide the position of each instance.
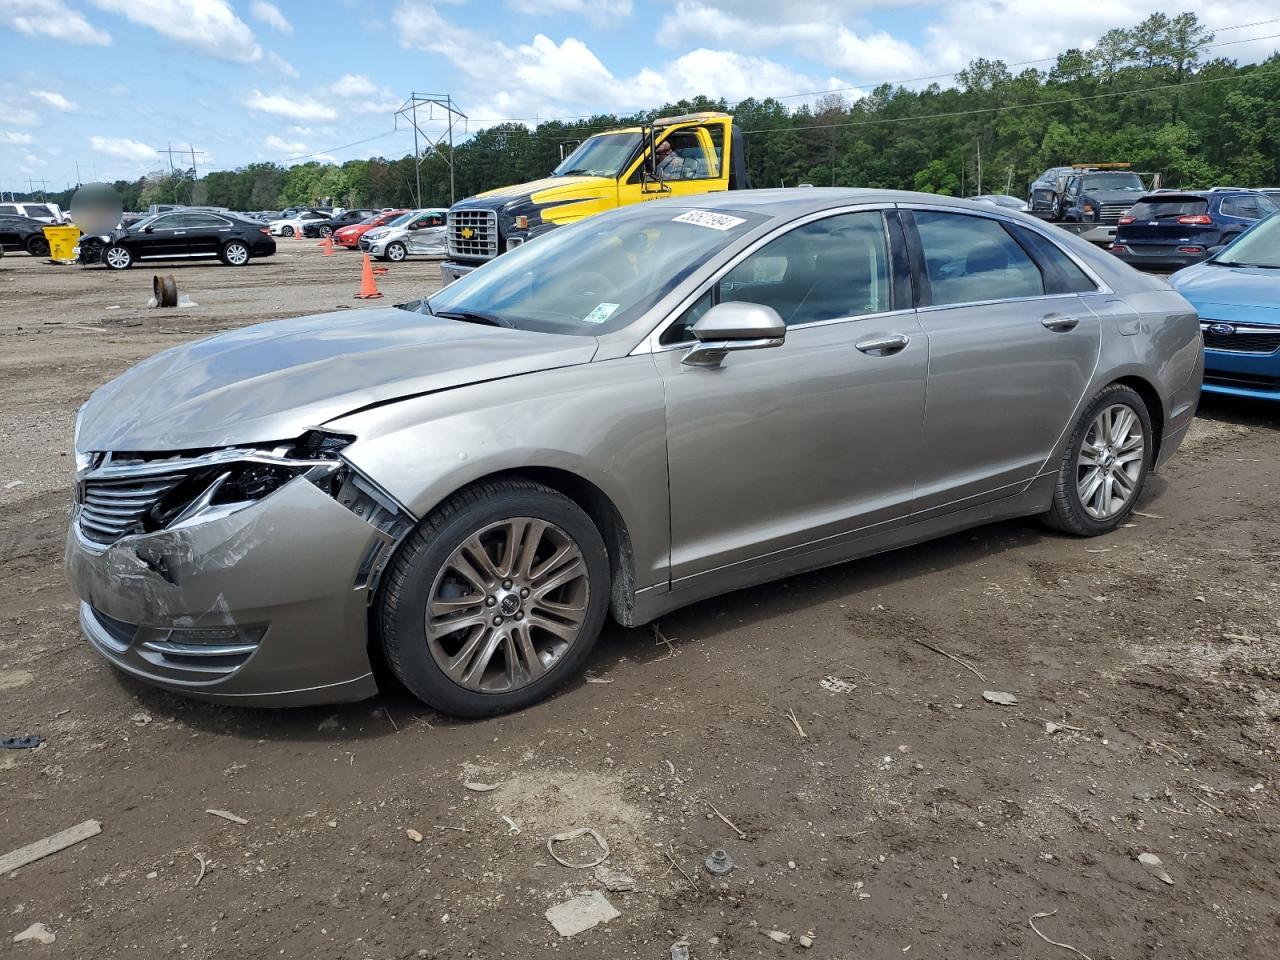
(496, 599)
(395, 252)
(117, 257)
(1055, 209)
(1105, 465)
(234, 254)
(326, 231)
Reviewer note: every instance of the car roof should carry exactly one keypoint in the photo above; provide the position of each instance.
(790, 201)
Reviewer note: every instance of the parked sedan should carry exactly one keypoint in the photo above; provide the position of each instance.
(1172, 229)
(349, 237)
(1237, 294)
(325, 228)
(23, 233)
(421, 233)
(654, 405)
(293, 223)
(181, 235)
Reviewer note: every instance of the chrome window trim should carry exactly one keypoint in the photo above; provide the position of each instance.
(649, 343)
(1036, 227)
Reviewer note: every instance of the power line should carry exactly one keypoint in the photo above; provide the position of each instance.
(318, 153)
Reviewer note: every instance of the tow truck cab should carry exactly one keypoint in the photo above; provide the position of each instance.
(608, 170)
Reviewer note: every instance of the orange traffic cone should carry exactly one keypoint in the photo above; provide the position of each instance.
(297, 234)
(368, 286)
(327, 246)
(379, 271)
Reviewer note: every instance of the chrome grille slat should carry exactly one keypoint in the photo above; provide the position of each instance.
(1112, 212)
(483, 226)
(113, 506)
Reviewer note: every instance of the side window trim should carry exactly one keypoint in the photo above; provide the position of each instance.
(651, 343)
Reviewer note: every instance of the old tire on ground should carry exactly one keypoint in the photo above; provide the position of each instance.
(38, 246)
(117, 257)
(234, 254)
(1105, 465)
(495, 600)
(395, 252)
(165, 290)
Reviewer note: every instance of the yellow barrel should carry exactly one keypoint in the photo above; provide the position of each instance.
(62, 243)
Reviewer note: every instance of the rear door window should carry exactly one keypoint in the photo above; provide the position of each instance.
(1061, 274)
(1170, 208)
(971, 259)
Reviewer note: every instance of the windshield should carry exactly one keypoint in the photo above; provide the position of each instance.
(1257, 247)
(1113, 181)
(400, 220)
(596, 276)
(604, 155)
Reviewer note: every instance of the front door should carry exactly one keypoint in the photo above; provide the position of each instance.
(778, 449)
(1012, 348)
(691, 158)
(167, 235)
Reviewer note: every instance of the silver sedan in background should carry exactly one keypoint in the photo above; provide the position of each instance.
(656, 405)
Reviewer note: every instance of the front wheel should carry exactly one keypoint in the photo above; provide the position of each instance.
(286, 231)
(234, 254)
(117, 257)
(1055, 209)
(495, 600)
(395, 252)
(326, 231)
(1105, 465)
(38, 246)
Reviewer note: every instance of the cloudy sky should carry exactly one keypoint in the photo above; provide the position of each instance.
(108, 83)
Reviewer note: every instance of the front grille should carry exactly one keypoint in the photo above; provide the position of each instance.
(365, 244)
(113, 508)
(1242, 342)
(473, 234)
(1112, 212)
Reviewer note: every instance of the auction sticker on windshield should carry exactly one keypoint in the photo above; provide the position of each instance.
(601, 313)
(705, 218)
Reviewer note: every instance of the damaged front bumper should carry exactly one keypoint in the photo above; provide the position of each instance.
(264, 605)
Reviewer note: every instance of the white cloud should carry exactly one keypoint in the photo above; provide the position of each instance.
(20, 116)
(296, 108)
(300, 131)
(14, 138)
(270, 14)
(31, 160)
(55, 100)
(123, 147)
(209, 26)
(547, 78)
(280, 145)
(602, 13)
(283, 65)
(52, 18)
(353, 85)
(361, 94)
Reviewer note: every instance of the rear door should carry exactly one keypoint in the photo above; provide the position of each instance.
(206, 233)
(1239, 212)
(1012, 349)
(426, 235)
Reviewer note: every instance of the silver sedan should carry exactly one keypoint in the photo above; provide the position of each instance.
(658, 404)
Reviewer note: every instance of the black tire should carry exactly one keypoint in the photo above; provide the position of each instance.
(395, 252)
(117, 257)
(286, 231)
(412, 574)
(38, 246)
(326, 231)
(1055, 209)
(234, 254)
(1068, 513)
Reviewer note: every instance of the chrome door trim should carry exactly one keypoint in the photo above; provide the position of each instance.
(649, 343)
(1036, 227)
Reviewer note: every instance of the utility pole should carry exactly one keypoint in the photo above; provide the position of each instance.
(979, 166)
(432, 142)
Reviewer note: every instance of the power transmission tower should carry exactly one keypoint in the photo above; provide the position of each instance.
(169, 152)
(432, 142)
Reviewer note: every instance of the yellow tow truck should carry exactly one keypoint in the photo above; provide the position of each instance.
(612, 169)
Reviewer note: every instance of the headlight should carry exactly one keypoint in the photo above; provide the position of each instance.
(82, 459)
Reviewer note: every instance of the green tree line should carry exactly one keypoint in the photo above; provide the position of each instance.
(1150, 95)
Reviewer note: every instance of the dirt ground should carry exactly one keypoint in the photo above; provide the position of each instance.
(911, 818)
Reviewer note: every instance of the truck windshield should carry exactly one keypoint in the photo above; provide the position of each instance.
(1113, 181)
(595, 276)
(604, 155)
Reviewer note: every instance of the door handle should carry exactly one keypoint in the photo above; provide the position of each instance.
(885, 345)
(1060, 322)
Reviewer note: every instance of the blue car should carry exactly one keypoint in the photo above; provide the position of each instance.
(1165, 231)
(1236, 292)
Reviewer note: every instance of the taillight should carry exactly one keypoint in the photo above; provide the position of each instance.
(1191, 250)
(266, 230)
(1123, 220)
(1198, 219)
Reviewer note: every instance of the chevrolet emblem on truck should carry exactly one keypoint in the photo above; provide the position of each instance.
(467, 233)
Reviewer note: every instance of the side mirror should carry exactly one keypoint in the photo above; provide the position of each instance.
(148, 228)
(734, 326)
(1216, 249)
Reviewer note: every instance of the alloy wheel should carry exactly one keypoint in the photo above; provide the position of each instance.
(118, 258)
(1109, 464)
(396, 252)
(507, 605)
(237, 254)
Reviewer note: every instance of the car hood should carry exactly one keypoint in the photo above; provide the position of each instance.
(1232, 294)
(276, 380)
